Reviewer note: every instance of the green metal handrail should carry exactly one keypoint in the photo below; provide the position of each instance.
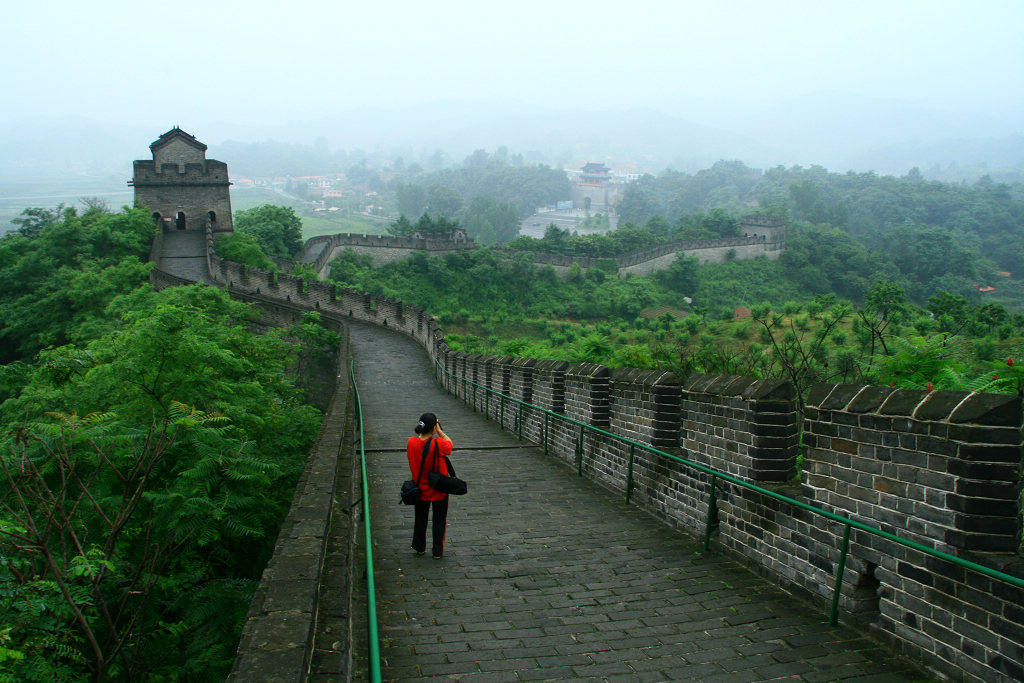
(717, 474)
(371, 588)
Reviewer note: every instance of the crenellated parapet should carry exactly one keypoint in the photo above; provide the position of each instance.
(962, 449)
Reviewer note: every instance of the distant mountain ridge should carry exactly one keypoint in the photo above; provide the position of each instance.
(838, 131)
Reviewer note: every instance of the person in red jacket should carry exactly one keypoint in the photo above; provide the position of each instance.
(440, 445)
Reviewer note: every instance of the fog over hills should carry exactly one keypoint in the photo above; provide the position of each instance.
(873, 85)
(837, 130)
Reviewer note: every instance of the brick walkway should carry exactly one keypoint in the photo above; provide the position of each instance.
(184, 255)
(548, 576)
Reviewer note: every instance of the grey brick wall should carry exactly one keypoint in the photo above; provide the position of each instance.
(942, 469)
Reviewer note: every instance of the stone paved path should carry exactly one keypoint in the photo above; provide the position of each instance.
(184, 255)
(550, 577)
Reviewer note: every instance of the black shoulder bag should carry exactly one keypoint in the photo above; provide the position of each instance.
(446, 483)
(411, 487)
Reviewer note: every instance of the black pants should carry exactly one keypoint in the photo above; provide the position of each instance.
(419, 529)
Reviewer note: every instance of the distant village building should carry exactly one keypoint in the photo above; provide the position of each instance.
(183, 189)
(594, 189)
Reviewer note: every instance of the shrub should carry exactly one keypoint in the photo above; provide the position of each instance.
(923, 324)
(985, 349)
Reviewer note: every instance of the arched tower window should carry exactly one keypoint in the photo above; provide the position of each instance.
(179, 221)
(213, 217)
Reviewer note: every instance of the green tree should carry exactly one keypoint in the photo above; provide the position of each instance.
(56, 283)
(276, 228)
(401, 227)
(682, 276)
(244, 248)
(352, 270)
(147, 515)
(949, 310)
(412, 198)
(885, 304)
(639, 201)
(488, 222)
(800, 355)
(720, 224)
(443, 201)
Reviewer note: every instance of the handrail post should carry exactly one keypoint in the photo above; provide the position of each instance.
(501, 410)
(711, 513)
(629, 473)
(834, 616)
(579, 454)
(520, 421)
(546, 421)
(487, 405)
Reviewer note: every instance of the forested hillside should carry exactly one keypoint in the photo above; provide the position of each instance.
(883, 280)
(150, 444)
(489, 194)
(851, 229)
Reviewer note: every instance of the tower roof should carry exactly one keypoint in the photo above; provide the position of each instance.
(177, 134)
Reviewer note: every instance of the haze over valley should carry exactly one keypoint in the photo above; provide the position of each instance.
(872, 87)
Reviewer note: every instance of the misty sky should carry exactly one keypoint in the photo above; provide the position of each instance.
(267, 63)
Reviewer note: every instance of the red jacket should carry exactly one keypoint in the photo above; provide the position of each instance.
(438, 449)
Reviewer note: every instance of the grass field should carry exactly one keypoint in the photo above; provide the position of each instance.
(314, 223)
(18, 195)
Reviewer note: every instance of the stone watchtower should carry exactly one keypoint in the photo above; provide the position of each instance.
(593, 189)
(769, 228)
(183, 189)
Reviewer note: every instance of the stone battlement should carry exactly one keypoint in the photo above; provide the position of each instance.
(212, 172)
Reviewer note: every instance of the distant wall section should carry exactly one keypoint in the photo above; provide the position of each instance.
(383, 249)
(762, 236)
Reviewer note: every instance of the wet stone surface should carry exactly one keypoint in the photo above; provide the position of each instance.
(547, 576)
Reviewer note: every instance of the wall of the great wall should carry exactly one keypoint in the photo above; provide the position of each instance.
(942, 469)
(385, 249)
